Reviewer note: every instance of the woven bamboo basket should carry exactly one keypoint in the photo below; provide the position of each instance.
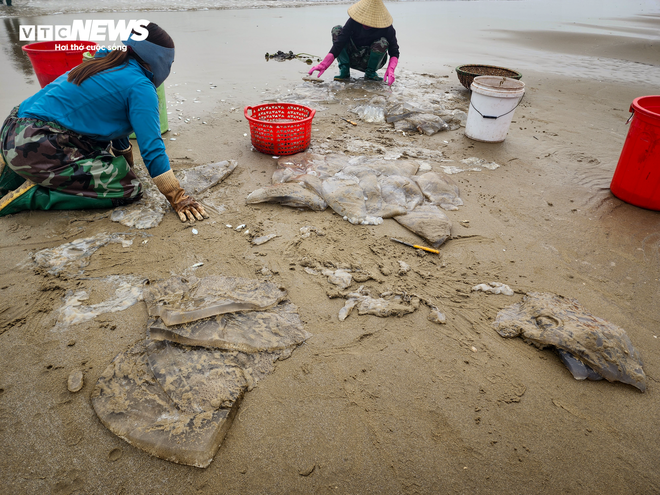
(466, 73)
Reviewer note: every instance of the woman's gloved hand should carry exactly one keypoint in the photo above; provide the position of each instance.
(389, 73)
(184, 205)
(325, 63)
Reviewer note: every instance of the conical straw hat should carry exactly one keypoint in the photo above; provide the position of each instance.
(371, 13)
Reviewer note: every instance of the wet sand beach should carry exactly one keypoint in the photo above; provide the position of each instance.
(368, 404)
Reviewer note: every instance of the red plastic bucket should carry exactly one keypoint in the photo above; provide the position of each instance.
(637, 176)
(51, 59)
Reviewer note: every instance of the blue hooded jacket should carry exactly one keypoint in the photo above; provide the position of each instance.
(108, 106)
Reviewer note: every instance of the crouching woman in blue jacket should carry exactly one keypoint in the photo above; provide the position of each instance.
(67, 146)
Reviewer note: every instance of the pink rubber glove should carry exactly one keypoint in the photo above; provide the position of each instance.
(389, 73)
(329, 58)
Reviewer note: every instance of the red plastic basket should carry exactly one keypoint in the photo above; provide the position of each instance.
(280, 128)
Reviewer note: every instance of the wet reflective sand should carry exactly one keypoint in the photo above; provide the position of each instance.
(369, 404)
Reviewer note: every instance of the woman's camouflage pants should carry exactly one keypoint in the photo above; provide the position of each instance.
(58, 159)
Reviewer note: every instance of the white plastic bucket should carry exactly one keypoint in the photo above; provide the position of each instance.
(492, 105)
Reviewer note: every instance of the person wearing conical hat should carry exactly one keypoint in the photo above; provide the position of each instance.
(363, 43)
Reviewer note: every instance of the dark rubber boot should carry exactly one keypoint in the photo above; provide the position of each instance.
(30, 196)
(374, 63)
(344, 62)
(9, 180)
(127, 154)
